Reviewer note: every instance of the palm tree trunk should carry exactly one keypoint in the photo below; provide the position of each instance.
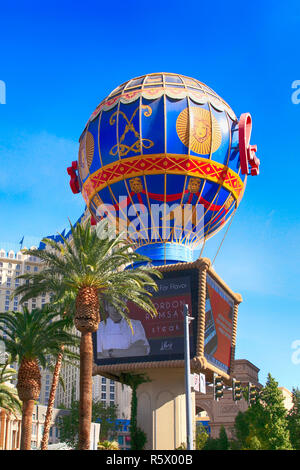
(29, 387)
(55, 379)
(86, 389)
(27, 411)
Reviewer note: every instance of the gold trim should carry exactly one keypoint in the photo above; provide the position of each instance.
(168, 164)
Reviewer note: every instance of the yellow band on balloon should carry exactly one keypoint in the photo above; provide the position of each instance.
(173, 164)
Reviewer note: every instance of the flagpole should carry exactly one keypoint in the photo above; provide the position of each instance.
(188, 398)
(21, 243)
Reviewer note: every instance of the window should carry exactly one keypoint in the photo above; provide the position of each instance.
(103, 380)
(103, 396)
(35, 268)
(103, 388)
(112, 396)
(28, 268)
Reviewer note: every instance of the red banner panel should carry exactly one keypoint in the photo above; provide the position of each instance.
(218, 325)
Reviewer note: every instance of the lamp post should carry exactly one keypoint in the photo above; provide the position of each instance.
(189, 429)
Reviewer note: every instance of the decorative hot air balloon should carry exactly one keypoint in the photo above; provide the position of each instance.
(164, 157)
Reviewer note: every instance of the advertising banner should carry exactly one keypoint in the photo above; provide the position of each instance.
(156, 338)
(218, 325)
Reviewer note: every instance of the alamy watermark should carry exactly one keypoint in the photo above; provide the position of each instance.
(296, 94)
(152, 222)
(296, 354)
(2, 92)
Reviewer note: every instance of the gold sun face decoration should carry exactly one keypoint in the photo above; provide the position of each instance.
(86, 154)
(194, 185)
(202, 133)
(136, 185)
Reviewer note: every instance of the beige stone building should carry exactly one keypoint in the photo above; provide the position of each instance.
(10, 429)
(223, 412)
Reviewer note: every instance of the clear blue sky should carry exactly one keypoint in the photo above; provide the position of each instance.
(60, 59)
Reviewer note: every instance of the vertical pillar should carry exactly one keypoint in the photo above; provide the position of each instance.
(7, 431)
(161, 410)
(2, 427)
(18, 443)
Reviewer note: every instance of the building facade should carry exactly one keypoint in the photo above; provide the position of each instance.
(10, 429)
(215, 414)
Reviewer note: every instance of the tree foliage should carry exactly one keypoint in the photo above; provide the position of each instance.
(138, 437)
(201, 436)
(294, 420)
(264, 425)
(69, 423)
(220, 443)
(9, 400)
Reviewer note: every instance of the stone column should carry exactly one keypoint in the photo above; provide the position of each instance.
(162, 408)
(2, 427)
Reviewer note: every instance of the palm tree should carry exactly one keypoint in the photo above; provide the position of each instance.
(94, 268)
(29, 338)
(9, 400)
(62, 357)
(108, 445)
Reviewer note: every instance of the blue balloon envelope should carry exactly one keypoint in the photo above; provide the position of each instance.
(160, 158)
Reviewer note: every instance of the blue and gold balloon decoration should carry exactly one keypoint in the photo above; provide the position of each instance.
(159, 141)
